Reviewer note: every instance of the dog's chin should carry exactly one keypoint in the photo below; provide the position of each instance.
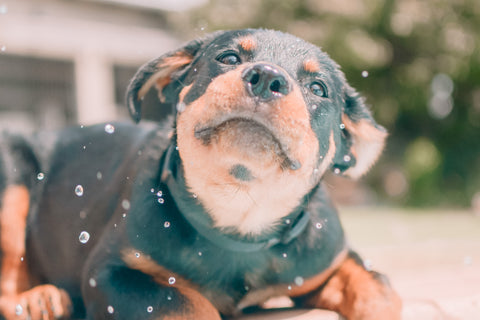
(251, 141)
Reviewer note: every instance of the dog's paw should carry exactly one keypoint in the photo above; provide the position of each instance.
(45, 302)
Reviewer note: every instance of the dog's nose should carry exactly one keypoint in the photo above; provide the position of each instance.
(266, 82)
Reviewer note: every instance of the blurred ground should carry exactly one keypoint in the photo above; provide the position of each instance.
(431, 257)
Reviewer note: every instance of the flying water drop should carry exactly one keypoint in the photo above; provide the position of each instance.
(84, 237)
(79, 190)
(109, 128)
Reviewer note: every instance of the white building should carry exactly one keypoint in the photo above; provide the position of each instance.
(69, 61)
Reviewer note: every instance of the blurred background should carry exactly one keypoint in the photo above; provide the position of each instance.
(415, 216)
(417, 62)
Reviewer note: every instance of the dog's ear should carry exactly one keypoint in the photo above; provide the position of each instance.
(362, 139)
(161, 72)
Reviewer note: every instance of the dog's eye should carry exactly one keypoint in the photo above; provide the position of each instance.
(318, 89)
(230, 58)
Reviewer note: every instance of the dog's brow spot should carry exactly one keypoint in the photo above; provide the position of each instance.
(241, 173)
(248, 43)
(311, 66)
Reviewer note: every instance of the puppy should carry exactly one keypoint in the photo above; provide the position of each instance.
(123, 221)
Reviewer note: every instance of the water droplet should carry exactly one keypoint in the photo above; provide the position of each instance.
(84, 237)
(3, 9)
(152, 190)
(200, 253)
(284, 255)
(336, 171)
(181, 107)
(40, 176)
(289, 287)
(169, 298)
(92, 282)
(21, 258)
(109, 128)
(287, 221)
(166, 224)
(137, 254)
(315, 171)
(99, 175)
(368, 264)
(79, 190)
(18, 310)
(149, 309)
(247, 288)
(347, 158)
(110, 309)
(124, 215)
(171, 280)
(314, 107)
(176, 148)
(125, 204)
(161, 200)
(342, 126)
(319, 225)
(298, 281)
(159, 193)
(364, 73)
(194, 196)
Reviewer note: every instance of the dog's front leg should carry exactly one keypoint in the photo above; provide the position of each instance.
(356, 293)
(119, 292)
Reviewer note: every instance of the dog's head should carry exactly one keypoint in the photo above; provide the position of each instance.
(261, 115)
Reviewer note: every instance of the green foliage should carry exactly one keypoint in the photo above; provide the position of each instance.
(423, 64)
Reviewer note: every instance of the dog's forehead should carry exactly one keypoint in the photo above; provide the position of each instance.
(276, 47)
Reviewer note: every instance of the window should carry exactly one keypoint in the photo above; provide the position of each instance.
(36, 93)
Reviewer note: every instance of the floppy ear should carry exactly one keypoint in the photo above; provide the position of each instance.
(362, 138)
(162, 72)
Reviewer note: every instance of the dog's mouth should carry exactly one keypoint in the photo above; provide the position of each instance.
(250, 135)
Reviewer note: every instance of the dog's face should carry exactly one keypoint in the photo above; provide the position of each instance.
(261, 116)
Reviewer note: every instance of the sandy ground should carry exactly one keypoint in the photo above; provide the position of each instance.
(431, 257)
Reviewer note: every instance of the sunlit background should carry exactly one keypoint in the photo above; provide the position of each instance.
(415, 216)
(64, 62)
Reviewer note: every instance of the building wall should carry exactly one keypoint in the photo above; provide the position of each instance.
(65, 62)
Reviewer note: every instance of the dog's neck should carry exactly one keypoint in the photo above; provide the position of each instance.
(228, 238)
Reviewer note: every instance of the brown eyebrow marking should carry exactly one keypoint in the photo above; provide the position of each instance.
(311, 66)
(248, 43)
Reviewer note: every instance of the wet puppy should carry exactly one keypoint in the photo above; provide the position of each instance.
(127, 221)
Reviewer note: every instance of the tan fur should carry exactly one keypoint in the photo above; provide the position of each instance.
(251, 206)
(313, 283)
(258, 297)
(368, 143)
(248, 43)
(137, 260)
(162, 77)
(311, 66)
(357, 295)
(198, 306)
(39, 303)
(13, 222)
